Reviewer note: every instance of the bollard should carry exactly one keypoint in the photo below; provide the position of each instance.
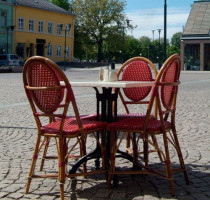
(113, 65)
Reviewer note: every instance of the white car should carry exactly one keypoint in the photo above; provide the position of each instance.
(9, 60)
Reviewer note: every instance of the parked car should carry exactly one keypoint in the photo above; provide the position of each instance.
(9, 60)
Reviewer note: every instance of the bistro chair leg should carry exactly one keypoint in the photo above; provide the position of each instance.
(61, 191)
(135, 149)
(181, 160)
(154, 140)
(103, 142)
(168, 164)
(61, 165)
(112, 158)
(33, 164)
(47, 141)
(127, 142)
(146, 153)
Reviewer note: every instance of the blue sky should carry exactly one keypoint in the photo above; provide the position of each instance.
(148, 15)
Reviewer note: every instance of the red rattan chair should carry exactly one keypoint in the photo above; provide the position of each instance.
(50, 94)
(136, 69)
(165, 91)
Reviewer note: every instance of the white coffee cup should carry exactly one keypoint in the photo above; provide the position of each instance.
(113, 75)
(101, 74)
(106, 75)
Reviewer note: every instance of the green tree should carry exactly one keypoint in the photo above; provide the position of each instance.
(145, 43)
(172, 50)
(132, 47)
(96, 19)
(61, 3)
(175, 40)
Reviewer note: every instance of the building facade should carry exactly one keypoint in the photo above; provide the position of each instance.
(6, 26)
(42, 28)
(195, 40)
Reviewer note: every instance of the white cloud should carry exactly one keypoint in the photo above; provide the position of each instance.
(153, 19)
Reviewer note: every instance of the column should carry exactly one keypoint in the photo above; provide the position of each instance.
(201, 55)
(182, 54)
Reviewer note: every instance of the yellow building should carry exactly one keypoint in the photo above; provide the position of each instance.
(42, 28)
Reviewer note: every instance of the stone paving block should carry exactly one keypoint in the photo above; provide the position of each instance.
(150, 197)
(18, 135)
(136, 197)
(104, 193)
(15, 195)
(199, 195)
(32, 196)
(118, 195)
(3, 194)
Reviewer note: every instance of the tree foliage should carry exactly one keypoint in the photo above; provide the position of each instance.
(97, 19)
(100, 33)
(61, 3)
(175, 40)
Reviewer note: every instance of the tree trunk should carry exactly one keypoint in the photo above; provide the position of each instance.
(99, 50)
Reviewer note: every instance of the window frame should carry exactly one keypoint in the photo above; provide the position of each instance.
(67, 51)
(59, 29)
(68, 30)
(59, 51)
(33, 25)
(21, 24)
(49, 50)
(41, 26)
(50, 27)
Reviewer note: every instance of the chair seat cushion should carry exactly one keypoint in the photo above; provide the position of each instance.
(131, 115)
(136, 123)
(71, 126)
(119, 116)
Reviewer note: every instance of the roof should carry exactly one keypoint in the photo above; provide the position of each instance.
(198, 23)
(42, 4)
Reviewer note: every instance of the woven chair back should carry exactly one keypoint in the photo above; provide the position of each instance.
(137, 69)
(44, 78)
(169, 76)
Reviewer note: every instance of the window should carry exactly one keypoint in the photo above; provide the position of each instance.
(68, 28)
(58, 51)
(59, 29)
(31, 25)
(192, 56)
(3, 19)
(41, 27)
(67, 51)
(50, 27)
(49, 49)
(21, 24)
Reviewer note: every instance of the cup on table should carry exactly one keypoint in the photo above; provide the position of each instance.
(106, 75)
(101, 74)
(113, 75)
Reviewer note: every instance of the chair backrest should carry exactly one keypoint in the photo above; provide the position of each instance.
(136, 69)
(168, 79)
(45, 85)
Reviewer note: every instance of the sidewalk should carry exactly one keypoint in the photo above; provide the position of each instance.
(18, 133)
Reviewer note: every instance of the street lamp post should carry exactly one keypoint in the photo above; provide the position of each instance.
(153, 52)
(153, 32)
(165, 29)
(159, 31)
(8, 28)
(123, 29)
(65, 30)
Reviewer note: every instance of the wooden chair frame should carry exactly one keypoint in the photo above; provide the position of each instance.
(140, 102)
(164, 110)
(33, 93)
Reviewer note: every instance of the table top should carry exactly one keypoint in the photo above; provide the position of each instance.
(112, 84)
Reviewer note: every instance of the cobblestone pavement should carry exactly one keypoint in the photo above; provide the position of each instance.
(18, 133)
